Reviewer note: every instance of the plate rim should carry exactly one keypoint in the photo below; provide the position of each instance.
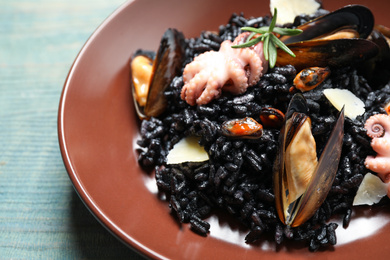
(88, 201)
(84, 196)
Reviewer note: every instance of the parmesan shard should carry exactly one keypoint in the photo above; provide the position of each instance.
(288, 9)
(187, 150)
(370, 191)
(343, 97)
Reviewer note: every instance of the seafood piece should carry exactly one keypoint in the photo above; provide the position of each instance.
(289, 9)
(387, 108)
(234, 70)
(301, 183)
(332, 53)
(340, 98)
(300, 156)
(247, 128)
(271, 117)
(334, 40)
(309, 78)
(358, 20)
(378, 128)
(371, 190)
(166, 66)
(141, 70)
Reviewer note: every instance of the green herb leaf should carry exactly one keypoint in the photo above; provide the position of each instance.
(273, 53)
(281, 45)
(261, 30)
(287, 31)
(273, 21)
(248, 43)
(251, 36)
(266, 48)
(270, 40)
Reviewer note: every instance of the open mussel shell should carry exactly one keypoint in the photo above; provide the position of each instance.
(357, 18)
(332, 53)
(335, 39)
(294, 213)
(167, 64)
(140, 78)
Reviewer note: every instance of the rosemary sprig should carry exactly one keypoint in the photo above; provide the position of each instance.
(266, 34)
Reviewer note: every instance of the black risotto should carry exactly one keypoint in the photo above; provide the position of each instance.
(238, 177)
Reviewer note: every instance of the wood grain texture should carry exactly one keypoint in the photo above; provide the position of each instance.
(41, 216)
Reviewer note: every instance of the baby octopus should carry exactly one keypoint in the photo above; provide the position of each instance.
(234, 70)
(378, 128)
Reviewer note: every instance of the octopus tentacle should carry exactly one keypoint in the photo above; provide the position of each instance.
(378, 128)
(191, 70)
(246, 57)
(381, 146)
(193, 89)
(233, 70)
(377, 125)
(211, 91)
(380, 165)
(238, 77)
(256, 62)
(195, 66)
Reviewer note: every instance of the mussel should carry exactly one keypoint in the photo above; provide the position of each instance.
(335, 39)
(246, 128)
(387, 108)
(271, 117)
(309, 78)
(301, 183)
(357, 20)
(141, 75)
(167, 63)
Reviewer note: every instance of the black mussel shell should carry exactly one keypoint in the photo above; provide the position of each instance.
(331, 53)
(295, 213)
(356, 17)
(140, 52)
(167, 65)
(271, 117)
(297, 104)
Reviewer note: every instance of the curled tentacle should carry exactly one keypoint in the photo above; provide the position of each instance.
(376, 124)
(378, 128)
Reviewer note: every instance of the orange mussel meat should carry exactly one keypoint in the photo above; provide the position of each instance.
(242, 128)
(309, 78)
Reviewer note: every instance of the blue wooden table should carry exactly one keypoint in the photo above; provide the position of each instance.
(41, 216)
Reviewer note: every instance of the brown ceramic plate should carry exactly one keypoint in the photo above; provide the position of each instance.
(98, 130)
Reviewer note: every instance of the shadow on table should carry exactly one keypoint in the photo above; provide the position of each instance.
(92, 240)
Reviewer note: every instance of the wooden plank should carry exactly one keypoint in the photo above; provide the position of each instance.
(41, 216)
